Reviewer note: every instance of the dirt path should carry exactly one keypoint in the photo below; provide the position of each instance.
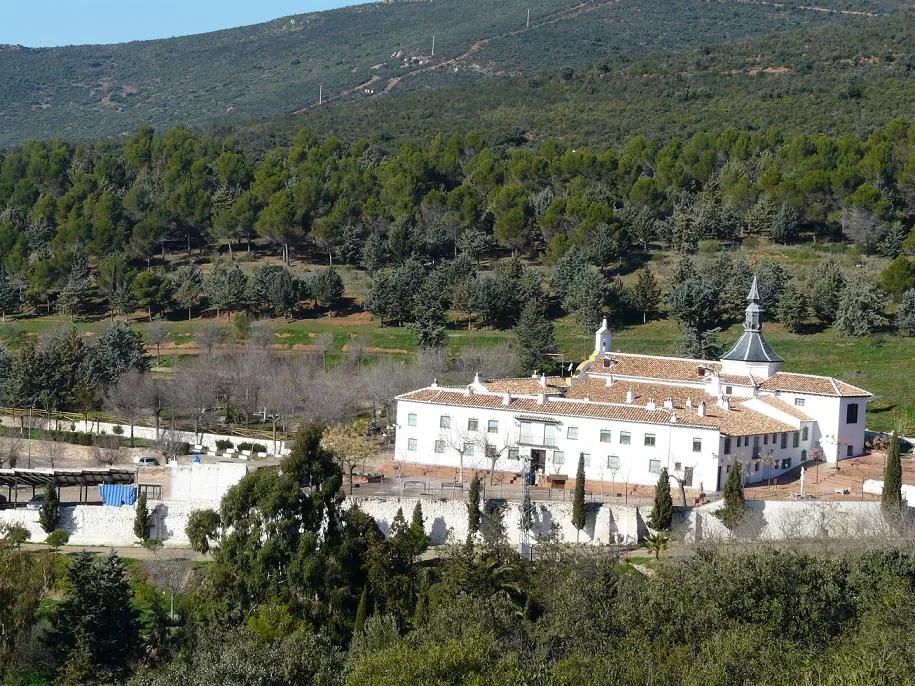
(394, 81)
(132, 552)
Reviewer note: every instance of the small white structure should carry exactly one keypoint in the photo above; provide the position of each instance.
(631, 415)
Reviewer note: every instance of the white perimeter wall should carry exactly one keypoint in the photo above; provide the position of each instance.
(787, 520)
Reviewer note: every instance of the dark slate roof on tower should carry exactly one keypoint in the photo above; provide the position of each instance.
(751, 346)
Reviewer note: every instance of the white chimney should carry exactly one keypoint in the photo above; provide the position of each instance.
(469, 390)
(668, 403)
(673, 419)
(650, 404)
(434, 383)
(543, 380)
(476, 379)
(609, 380)
(535, 374)
(689, 402)
(506, 398)
(602, 339)
(541, 398)
(724, 402)
(700, 408)
(629, 396)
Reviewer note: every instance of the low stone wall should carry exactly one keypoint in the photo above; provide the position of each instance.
(790, 520)
(875, 486)
(446, 520)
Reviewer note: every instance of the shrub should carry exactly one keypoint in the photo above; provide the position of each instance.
(253, 447)
(58, 538)
(223, 444)
(117, 429)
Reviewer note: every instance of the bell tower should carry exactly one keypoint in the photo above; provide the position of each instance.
(602, 339)
(752, 354)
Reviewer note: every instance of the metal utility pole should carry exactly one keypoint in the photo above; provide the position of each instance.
(433, 46)
(528, 17)
(320, 93)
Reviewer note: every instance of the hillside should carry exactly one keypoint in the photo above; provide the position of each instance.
(852, 76)
(267, 69)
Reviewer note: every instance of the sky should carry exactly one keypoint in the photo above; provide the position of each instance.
(45, 23)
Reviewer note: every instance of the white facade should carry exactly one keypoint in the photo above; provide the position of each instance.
(633, 415)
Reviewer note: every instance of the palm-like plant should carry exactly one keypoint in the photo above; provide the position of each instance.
(656, 543)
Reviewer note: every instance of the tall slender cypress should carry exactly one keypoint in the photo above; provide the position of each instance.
(891, 499)
(578, 500)
(663, 511)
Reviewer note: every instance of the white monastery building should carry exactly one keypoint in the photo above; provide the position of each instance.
(631, 415)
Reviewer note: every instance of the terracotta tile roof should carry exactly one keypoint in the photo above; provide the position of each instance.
(526, 385)
(738, 421)
(787, 408)
(737, 380)
(654, 367)
(597, 390)
(809, 383)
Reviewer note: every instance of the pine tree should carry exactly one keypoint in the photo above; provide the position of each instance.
(860, 308)
(905, 318)
(784, 225)
(891, 500)
(49, 513)
(188, 287)
(792, 308)
(735, 505)
(647, 294)
(418, 530)
(759, 218)
(361, 610)
(142, 520)
(473, 507)
(75, 296)
(578, 498)
(700, 345)
(9, 295)
(663, 511)
(825, 290)
(535, 337)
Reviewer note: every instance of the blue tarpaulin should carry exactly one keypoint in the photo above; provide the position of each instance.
(117, 495)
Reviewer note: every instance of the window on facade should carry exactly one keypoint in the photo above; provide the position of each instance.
(469, 449)
(649, 440)
(411, 444)
(805, 432)
(784, 443)
(537, 433)
(677, 466)
(654, 466)
(729, 390)
(727, 445)
(444, 422)
(755, 446)
(727, 469)
(795, 439)
(411, 419)
(572, 433)
(586, 457)
(799, 402)
(513, 454)
(559, 457)
(756, 465)
(550, 434)
(440, 446)
(766, 439)
(851, 414)
(151, 491)
(613, 462)
(697, 445)
(606, 436)
(472, 424)
(492, 426)
(625, 438)
(786, 463)
(848, 451)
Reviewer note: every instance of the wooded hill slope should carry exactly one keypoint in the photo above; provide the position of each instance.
(359, 52)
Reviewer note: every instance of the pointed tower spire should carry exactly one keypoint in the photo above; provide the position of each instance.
(751, 348)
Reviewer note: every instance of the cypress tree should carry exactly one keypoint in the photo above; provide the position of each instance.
(663, 511)
(418, 530)
(361, 610)
(527, 513)
(578, 500)
(891, 500)
(142, 520)
(473, 506)
(735, 505)
(49, 513)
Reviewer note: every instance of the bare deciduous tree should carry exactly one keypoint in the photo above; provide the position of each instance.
(158, 335)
